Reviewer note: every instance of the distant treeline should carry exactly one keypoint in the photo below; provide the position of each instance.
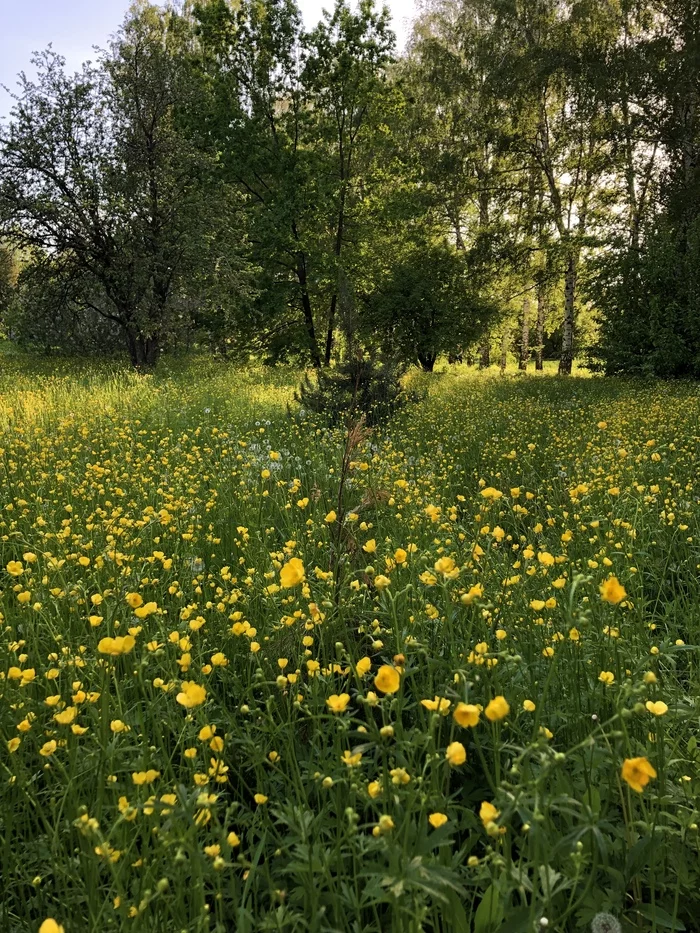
(524, 179)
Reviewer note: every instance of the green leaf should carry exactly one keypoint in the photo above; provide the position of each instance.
(489, 913)
(661, 917)
(457, 915)
(592, 799)
(518, 921)
(637, 856)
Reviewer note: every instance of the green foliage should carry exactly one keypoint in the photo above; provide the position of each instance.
(647, 286)
(650, 301)
(360, 385)
(425, 305)
(296, 117)
(47, 314)
(8, 277)
(225, 178)
(99, 181)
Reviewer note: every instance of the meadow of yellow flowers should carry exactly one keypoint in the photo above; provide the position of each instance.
(258, 674)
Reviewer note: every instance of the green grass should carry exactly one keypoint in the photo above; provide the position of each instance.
(190, 490)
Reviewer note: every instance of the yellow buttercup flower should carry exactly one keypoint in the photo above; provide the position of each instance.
(191, 694)
(612, 591)
(497, 709)
(658, 708)
(399, 776)
(637, 772)
(387, 679)
(115, 647)
(51, 926)
(437, 820)
(385, 825)
(466, 714)
(145, 777)
(445, 566)
(438, 705)
(351, 759)
(142, 612)
(292, 573)
(456, 754)
(338, 703)
(474, 592)
(488, 813)
(66, 717)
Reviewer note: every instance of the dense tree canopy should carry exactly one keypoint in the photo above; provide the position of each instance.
(119, 207)
(526, 175)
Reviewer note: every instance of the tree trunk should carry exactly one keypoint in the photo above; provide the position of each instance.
(306, 301)
(340, 231)
(540, 328)
(525, 335)
(630, 173)
(133, 351)
(143, 351)
(427, 361)
(330, 331)
(308, 313)
(566, 359)
(690, 147)
(151, 352)
(454, 216)
(484, 203)
(504, 352)
(485, 352)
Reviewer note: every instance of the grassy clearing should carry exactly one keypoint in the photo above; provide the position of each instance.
(260, 675)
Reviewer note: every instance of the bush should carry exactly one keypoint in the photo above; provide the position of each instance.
(358, 386)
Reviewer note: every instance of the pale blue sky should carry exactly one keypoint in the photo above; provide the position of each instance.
(75, 26)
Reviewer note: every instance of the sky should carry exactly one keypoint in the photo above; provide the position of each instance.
(73, 27)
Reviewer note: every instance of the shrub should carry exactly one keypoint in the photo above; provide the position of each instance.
(358, 386)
